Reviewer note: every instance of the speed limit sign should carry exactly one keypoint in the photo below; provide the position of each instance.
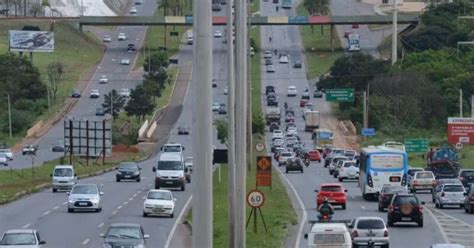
(255, 198)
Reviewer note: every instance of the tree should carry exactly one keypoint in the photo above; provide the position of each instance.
(36, 8)
(113, 103)
(140, 103)
(155, 62)
(155, 80)
(317, 7)
(55, 71)
(222, 131)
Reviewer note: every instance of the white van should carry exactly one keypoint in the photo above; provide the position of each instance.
(170, 171)
(63, 177)
(189, 38)
(329, 235)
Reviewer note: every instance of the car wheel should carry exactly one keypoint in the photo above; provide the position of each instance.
(471, 210)
(461, 206)
(436, 205)
(440, 205)
(189, 180)
(139, 179)
(334, 175)
(98, 210)
(390, 223)
(118, 180)
(183, 187)
(340, 179)
(70, 210)
(420, 223)
(145, 214)
(172, 215)
(286, 171)
(466, 210)
(157, 186)
(380, 208)
(385, 246)
(55, 190)
(433, 199)
(344, 206)
(330, 172)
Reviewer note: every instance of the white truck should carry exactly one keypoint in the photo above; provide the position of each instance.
(273, 115)
(353, 43)
(311, 119)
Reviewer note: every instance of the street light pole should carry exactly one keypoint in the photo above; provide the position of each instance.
(395, 32)
(10, 116)
(202, 140)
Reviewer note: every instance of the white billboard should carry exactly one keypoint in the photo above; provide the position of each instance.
(31, 41)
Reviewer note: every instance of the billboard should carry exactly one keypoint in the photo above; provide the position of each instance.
(88, 138)
(31, 41)
(460, 130)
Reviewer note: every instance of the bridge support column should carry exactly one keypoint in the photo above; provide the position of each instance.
(80, 28)
(332, 38)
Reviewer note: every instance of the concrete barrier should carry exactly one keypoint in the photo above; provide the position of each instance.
(33, 131)
(142, 129)
(120, 7)
(151, 130)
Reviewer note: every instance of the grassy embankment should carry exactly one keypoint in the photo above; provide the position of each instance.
(76, 51)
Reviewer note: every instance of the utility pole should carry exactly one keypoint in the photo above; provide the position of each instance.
(112, 105)
(241, 118)
(460, 103)
(202, 143)
(231, 199)
(249, 95)
(472, 106)
(10, 116)
(82, 7)
(364, 110)
(395, 32)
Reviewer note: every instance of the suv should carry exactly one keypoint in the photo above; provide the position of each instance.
(469, 200)
(284, 156)
(422, 180)
(334, 161)
(405, 208)
(348, 170)
(294, 164)
(439, 183)
(467, 177)
(386, 194)
(131, 47)
(450, 194)
(364, 229)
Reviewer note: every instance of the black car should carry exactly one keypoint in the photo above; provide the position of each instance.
(128, 171)
(214, 83)
(271, 95)
(405, 208)
(222, 109)
(125, 235)
(268, 62)
(469, 200)
(272, 102)
(99, 112)
(297, 64)
(273, 126)
(386, 194)
(131, 47)
(467, 177)
(294, 165)
(182, 130)
(269, 89)
(58, 146)
(75, 93)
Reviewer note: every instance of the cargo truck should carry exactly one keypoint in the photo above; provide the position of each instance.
(353, 43)
(311, 121)
(273, 115)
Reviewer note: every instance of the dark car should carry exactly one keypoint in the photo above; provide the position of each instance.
(125, 235)
(222, 109)
(271, 95)
(268, 62)
(294, 165)
(182, 130)
(386, 194)
(131, 47)
(58, 146)
(469, 200)
(467, 177)
(440, 183)
(216, 7)
(99, 112)
(128, 171)
(318, 94)
(214, 83)
(444, 169)
(272, 102)
(273, 126)
(75, 93)
(269, 89)
(297, 64)
(405, 208)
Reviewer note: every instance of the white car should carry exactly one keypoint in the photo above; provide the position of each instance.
(188, 162)
(107, 38)
(292, 131)
(284, 59)
(8, 153)
(422, 180)
(217, 34)
(364, 229)
(348, 170)
(103, 79)
(284, 156)
(125, 92)
(278, 142)
(3, 159)
(125, 61)
(133, 10)
(277, 134)
(95, 93)
(305, 94)
(84, 197)
(270, 68)
(226, 91)
(216, 106)
(291, 91)
(121, 36)
(159, 202)
(28, 238)
(267, 55)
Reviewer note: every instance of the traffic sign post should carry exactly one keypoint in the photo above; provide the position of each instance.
(260, 147)
(264, 171)
(340, 95)
(256, 199)
(368, 132)
(416, 145)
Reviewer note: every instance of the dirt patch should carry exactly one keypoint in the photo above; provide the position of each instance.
(120, 148)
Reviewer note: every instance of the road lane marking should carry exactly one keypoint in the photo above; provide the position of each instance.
(46, 213)
(26, 226)
(119, 207)
(134, 195)
(363, 207)
(175, 225)
(125, 203)
(101, 225)
(64, 203)
(149, 184)
(114, 212)
(445, 238)
(130, 199)
(85, 241)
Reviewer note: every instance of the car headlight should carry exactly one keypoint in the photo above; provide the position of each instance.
(71, 200)
(95, 200)
(119, 172)
(136, 173)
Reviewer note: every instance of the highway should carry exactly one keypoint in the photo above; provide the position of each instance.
(287, 39)
(122, 202)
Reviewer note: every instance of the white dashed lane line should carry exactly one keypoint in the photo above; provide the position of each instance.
(100, 225)
(114, 212)
(125, 203)
(130, 199)
(119, 207)
(56, 207)
(46, 213)
(85, 241)
(26, 226)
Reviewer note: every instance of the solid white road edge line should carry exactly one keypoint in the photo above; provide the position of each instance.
(300, 202)
(170, 236)
(445, 238)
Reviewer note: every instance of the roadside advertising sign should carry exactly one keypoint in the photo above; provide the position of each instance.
(31, 41)
(460, 130)
(264, 171)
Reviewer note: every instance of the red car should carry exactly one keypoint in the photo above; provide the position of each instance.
(303, 102)
(335, 193)
(314, 155)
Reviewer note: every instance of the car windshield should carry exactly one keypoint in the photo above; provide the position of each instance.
(370, 224)
(84, 189)
(329, 239)
(124, 233)
(336, 159)
(467, 173)
(332, 188)
(453, 188)
(400, 200)
(286, 154)
(5, 150)
(128, 166)
(172, 149)
(170, 165)
(158, 195)
(63, 172)
(18, 239)
(412, 172)
(349, 164)
(424, 175)
(391, 190)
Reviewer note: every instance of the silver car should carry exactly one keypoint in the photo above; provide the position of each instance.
(364, 229)
(21, 238)
(8, 153)
(450, 194)
(84, 197)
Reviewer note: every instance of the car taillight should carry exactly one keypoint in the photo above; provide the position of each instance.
(390, 208)
(433, 182)
(404, 180)
(369, 181)
(419, 209)
(385, 234)
(355, 234)
(461, 178)
(415, 183)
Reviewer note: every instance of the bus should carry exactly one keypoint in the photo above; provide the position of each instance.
(381, 166)
(322, 137)
(286, 4)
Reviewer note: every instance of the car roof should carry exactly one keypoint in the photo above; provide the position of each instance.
(124, 225)
(325, 227)
(160, 190)
(369, 218)
(172, 156)
(85, 184)
(20, 231)
(63, 167)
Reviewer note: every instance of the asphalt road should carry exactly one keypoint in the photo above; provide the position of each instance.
(120, 76)
(122, 201)
(287, 39)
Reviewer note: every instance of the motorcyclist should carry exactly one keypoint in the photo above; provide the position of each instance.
(276, 52)
(270, 39)
(325, 208)
(285, 105)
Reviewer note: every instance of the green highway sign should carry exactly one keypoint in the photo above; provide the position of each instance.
(416, 145)
(340, 95)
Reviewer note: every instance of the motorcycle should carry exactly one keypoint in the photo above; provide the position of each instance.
(324, 217)
(306, 162)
